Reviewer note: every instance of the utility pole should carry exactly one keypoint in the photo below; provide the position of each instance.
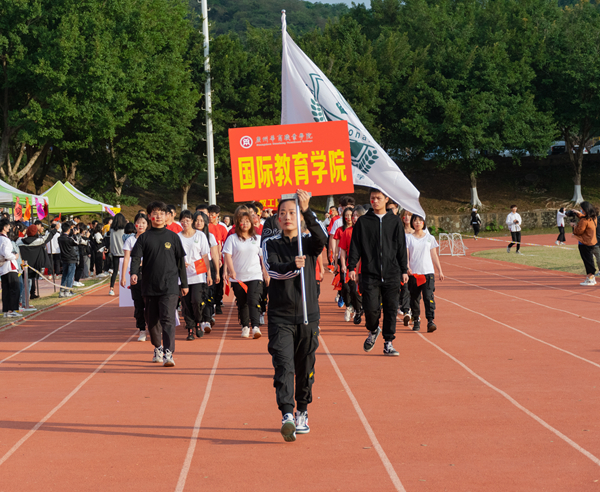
(210, 152)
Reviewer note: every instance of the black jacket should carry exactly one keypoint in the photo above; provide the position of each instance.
(285, 288)
(381, 245)
(68, 248)
(33, 249)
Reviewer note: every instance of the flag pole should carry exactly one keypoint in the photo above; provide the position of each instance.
(210, 153)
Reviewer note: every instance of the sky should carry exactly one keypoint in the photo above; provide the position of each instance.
(347, 2)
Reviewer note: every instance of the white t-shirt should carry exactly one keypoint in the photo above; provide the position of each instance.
(245, 256)
(336, 225)
(419, 253)
(195, 248)
(52, 247)
(212, 241)
(510, 218)
(129, 243)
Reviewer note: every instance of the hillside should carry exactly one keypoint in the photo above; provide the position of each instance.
(234, 15)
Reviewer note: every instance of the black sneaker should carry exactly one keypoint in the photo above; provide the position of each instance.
(358, 317)
(212, 322)
(371, 339)
(190, 335)
(417, 326)
(199, 332)
(431, 327)
(388, 349)
(219, 309)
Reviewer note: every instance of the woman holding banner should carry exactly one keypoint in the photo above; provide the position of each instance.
(197, 249)
(242, 259)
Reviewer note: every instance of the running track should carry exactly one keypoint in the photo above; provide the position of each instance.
(503, 397)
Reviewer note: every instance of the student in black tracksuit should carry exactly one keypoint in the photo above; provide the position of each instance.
(162, 268)
(292, 344)
(378, 241)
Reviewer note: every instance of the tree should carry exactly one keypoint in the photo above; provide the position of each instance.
(568, 81)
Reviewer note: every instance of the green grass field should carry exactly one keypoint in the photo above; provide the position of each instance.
(563, 259)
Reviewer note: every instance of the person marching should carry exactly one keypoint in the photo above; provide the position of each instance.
(405, 311)
(141, 225)
(422, 256)
(292, 344)
(379, 243)
(345, 292)
(345, 240)
(196, 247)
(220, 233)
(9, 276)
(242, 259)
(117, 229)
(475, 223)
(513, 222)
(162, 269)
(560, 223)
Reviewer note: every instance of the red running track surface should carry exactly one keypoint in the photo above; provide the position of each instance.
(504, 396)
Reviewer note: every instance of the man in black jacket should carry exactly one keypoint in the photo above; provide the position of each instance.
(292, 344)
(378, 242)
(68, 255)
(162, 269)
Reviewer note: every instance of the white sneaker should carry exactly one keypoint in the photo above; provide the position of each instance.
(349, 315)
(262, 319)
(288, 428)
(245, 332)
(111, 292)
(14, 314)
(519, 253)
(168, 359)
(78, 284)
(557, 243)
(589, 281)
(206, 328)
(302, 423)
(158, 354)
(61, 294)
(256, 332)
(142, 337)
(110, 270)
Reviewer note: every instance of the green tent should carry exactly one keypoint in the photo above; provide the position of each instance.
(9, 194)
(62, 200)
(83, 196)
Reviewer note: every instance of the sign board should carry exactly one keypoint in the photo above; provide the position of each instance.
(269, 161)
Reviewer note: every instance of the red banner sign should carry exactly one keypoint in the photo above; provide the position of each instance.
(268, 161)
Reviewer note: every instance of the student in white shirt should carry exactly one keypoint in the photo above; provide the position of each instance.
(242, 257)
(513, 222)
(196, 247)
(560, 223)
(141, 224)
(422, 257)
(201, 224)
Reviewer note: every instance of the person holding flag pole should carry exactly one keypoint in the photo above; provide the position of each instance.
(290, 258)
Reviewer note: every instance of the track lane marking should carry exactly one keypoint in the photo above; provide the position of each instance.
(197, 424)
(384, 459)
(57, 329)
(529, 413)
(521, 332)
(21, 441)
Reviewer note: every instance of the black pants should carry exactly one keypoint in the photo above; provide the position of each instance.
(79, 269)
(561, 234)
(427, 289)
(115, 267)
(516, 238)
(375, 295)
(404, 298)
(138, 304)
(218, 288)
(475, 229)
(33, 276)
(292, 349)
(355, 296)
(11, 291)
(587, 256)
(264, 297)
(248, 303)
(160, 317)
(57, 263)
(192, 305)
(98, 262)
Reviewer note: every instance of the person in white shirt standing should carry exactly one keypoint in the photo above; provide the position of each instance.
(196, 247)
(242, 259)
(513, 222)
(560, 223)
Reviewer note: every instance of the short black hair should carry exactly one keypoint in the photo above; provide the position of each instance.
(65, 226)
(214, 209)
(347, 200)
(377, 190)
(38, 222)
(414, 217)
(202, 206)
(130, 228)
(119, 222)
(259, 205)
(513, 206)
(3, 223)
(172, 209)
(160, 206)
(185, 214)
(252, 206)
(141, 215)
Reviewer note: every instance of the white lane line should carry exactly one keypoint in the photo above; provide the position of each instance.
(61, 404)
(556, 432)
(521, 332)
(192, 447)
(525, 300)
(382, 456)
(58, 329)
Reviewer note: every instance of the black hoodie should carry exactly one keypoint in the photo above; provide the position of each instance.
(285, 287)
(381, 245)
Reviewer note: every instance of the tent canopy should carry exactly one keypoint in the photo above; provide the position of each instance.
(83, 196)
(9, 194)
(63, 200)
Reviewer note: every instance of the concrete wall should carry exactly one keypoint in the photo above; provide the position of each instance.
(461, 223)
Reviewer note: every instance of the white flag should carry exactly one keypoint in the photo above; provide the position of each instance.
(307, 96)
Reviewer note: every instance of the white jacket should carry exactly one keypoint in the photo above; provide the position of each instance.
(6, 252)
(510, 222)
(52, 247)
(560, 219)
